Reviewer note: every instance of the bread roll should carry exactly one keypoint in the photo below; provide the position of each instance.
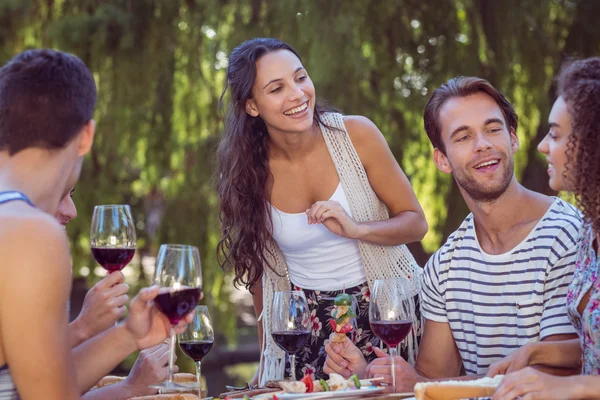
(455, 390)
(170, 396)
(108, 380)
(184, 378)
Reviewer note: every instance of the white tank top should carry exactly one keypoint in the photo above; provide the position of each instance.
(318, 259)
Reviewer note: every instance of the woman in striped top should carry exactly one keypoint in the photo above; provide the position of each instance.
(572, 148)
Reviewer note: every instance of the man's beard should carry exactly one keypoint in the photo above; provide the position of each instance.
(482, 193)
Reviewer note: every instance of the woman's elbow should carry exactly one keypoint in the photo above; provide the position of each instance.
(420, 227)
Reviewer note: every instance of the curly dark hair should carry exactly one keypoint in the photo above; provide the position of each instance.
(243, 169)
(579, 86)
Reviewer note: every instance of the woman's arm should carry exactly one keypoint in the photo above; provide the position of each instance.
(103, 305)
(562, 354)
(407, 221)
(33, 309)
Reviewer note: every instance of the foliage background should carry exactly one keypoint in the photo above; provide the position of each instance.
(159, 66)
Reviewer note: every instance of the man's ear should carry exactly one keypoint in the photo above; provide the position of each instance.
(251, 108)
(86, 138)
(514, 141)
(441, 161)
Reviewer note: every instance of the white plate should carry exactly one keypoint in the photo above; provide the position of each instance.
(338, 393)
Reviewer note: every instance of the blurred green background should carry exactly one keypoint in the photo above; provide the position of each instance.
(160, 66)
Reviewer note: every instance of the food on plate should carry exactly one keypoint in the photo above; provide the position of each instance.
(183, 377)
(342, 314)
(334, 383)
(454, 390)
(178, 378)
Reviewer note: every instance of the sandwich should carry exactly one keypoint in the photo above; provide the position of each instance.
(455, 390)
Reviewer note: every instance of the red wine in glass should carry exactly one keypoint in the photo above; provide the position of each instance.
(176, 304)
(391, 332)
(112, 259)
(196, 349)
(178, 274)
(391, 312)
(197, 340)
(112, 236)
(291, 341)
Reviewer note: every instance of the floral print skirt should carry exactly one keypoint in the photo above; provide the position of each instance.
(311, 359)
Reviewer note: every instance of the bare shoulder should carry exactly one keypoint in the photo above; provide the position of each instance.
(365, 135)
(31, 244)
(361, 128)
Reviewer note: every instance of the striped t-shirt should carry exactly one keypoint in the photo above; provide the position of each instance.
(497, 303)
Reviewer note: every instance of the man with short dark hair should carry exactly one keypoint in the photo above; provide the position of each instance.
(500, 280)
(46, 128)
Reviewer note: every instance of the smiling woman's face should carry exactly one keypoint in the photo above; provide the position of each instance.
(283, 94)
(554, 145)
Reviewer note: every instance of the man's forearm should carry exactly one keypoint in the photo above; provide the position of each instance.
(98, 356)
(118, 391)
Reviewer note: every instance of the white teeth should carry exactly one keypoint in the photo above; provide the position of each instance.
(297, 109)
(485, 164)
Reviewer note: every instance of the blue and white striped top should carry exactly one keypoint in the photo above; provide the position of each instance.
(497, 303)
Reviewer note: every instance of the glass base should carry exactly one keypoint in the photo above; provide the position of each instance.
(170, 387)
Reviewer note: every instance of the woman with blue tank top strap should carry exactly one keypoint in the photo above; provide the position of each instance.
(309, 199)
(47, 100)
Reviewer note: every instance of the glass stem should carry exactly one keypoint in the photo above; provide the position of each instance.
(393, 354)
(171, 358)
(293, 366)
(198, 377)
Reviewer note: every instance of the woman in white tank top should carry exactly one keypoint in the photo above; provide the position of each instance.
(278, 181)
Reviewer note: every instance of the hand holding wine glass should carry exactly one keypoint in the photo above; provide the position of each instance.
(112, 236)
(146, 324)
(291, 324)
(391, 314)
(197, 340)
(179, 277)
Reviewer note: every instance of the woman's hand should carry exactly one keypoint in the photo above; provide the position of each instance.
(150, 368)
(531, 384)
(146, 324)
(103, 305)
(333, 216)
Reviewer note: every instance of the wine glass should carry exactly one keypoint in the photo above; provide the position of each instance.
(291, 323)
(197, 340)
(112, 236)
(179, 275)
(391, 314)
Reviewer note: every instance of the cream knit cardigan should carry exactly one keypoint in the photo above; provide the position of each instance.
(380, 261)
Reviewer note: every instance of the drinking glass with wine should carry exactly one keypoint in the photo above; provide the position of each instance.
(178, 274)
(391, 314)
(291, 324)
(197, 340)
(112, 236)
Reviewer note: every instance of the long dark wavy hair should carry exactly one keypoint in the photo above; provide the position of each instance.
(243, 169)
(579, 85)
